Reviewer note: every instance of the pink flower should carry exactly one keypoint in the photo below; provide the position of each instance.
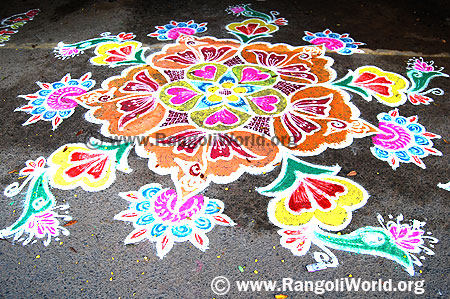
(237, 9)
(423, 66)
(407, 237)
(44, 224)
(66, 52)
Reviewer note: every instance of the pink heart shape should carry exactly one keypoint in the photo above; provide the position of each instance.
(224, 116)
(207, 72)
(265, 103)
(181, 95)
(250, 74)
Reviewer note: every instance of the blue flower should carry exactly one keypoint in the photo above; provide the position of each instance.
(159, 216)
(402, 139)
(55, 101)
(173, 30)
(335, 42)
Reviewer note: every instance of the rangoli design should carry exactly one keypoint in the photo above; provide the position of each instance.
(10, 25)
(402, 139)
(55, 101)
(340, 43)
(174, 29)
(206, 110)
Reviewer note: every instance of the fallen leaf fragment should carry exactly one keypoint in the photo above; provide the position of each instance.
(352, 173)
(71, 222)
(281, 296)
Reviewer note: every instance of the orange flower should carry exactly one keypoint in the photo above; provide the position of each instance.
(320, 117)
(191, 50)
(127, 106)
(307, 64)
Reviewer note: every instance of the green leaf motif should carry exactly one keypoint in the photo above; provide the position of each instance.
(346, 83)
(368, 240)
(420, 79)
(292, 169)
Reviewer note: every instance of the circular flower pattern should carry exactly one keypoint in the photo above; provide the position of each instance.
(160, 216)
(55, 101)
(224, 97)
(402, 140)
(340, 43)
(175, 29)
(226, 109)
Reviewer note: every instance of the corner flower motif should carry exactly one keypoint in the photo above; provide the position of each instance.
(44, 225)
(115, 54)
(251, 29)
(174, 29)
(245, 10)
(64, 51)
(326, 201)
(55, 101)
(314, 195)
(388, 88)
(92, 168)
(160, 216)
(409, 237)
(420, 74)
(39, 218)
(340, 43)
(403, 140)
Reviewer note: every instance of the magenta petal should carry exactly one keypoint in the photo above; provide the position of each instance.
(403, 232)
(40, 229)
(414, 241)
(416, 234)
(224, 116)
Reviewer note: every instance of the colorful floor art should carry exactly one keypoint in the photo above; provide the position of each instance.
(204, 110)
(10, 25)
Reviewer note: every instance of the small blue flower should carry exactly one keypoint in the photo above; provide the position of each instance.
(54, 101)
(173, 30)
(335, 42)
(154, 215)
(402, 139)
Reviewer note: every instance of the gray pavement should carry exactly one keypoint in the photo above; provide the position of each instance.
(94, 262)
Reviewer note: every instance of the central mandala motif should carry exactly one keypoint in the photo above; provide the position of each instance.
(224, 97)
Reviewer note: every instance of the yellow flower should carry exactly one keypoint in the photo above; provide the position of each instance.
(76, 165)
(115, 52)
(336, 218)
(388, 88)
(251, 29)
